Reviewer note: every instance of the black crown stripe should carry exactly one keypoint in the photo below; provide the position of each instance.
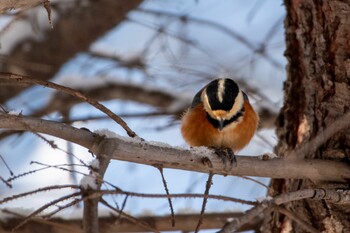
(229, 95)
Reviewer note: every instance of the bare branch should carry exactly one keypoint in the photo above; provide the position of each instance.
(42, 208)
(45, 189)
(339, 197)
(185, 222)
(6, 165)
(296, 219)
(60, 208)
(132, 150)
(70, 91)
(47, 6)
(144, 225)
(168, 196)
(170, 103)
(6, 182)
(205, 199)
(123, 91)
(181, 195)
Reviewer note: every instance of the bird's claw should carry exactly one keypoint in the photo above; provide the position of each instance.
(227, 156)
(206, 161)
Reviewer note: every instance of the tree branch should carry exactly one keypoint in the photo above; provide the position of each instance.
(339, 197)
(185, 222)
(72, 92)
(171, 103)
(155, 154)
(291, 215)
(123, 91)
(168, 102)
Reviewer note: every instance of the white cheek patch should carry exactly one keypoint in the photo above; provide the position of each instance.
(206, 104)
(237, 106)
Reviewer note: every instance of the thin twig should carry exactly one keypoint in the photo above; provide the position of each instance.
(258, 182)
(7, 166)
(124, 115)
(181, 195)
(296, 219)
(249, 216)
(244, 41)
(5, 182)
(3, 110)
(180, 38)
(51, 143)
(26, 173)
(168, 196)
(205, 199)
(47, 6)
(60, 208)
(59, 168)
(48, 188)
(132, 219)
(42, 208)
(123, 207)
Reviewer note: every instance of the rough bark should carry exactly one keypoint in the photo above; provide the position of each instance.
(317, 92)
(76, 29)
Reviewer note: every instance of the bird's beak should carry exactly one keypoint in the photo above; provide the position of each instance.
(221, 124)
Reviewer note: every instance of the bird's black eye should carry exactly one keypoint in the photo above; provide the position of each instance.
(222, 98)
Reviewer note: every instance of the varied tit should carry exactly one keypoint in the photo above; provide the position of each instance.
(220, 117)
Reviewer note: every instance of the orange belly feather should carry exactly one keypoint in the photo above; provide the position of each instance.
(197, 130)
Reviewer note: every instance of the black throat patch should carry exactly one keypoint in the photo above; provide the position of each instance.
(234, 118)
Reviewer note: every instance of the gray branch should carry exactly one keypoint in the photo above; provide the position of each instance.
(160, 155)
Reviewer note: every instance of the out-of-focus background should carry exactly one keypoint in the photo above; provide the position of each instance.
(144, 60)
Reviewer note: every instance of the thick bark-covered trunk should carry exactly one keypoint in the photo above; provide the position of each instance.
(317, 92)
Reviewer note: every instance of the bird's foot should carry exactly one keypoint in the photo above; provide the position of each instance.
(227, 156)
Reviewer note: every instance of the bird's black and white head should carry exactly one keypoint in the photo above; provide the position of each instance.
(223, 101)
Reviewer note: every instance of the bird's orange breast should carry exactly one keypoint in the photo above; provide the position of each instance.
(198, 131)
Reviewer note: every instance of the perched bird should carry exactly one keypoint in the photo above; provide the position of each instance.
(220, 117)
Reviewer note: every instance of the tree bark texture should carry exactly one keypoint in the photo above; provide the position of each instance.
(317, 92)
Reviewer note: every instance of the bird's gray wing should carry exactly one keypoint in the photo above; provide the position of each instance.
(197, 98)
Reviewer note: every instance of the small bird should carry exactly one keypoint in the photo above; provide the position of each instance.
(220, 117)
